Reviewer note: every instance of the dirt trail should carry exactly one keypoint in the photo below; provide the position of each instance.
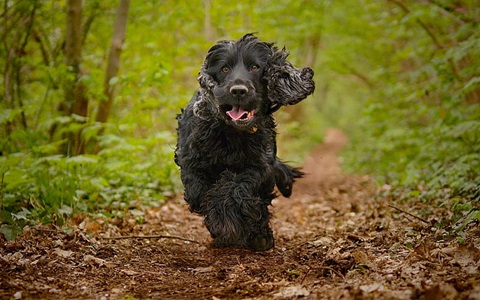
(336, 238)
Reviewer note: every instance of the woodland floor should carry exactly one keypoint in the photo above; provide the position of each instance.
(336, 238)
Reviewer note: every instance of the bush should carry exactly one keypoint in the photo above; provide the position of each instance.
(127, 174)
(420, 128)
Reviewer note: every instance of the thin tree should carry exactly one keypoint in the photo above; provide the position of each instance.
(119, 32)
(207, 21)
(15, 28)
(75, 99)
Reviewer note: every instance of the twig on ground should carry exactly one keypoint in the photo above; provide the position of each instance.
(411, 215)
(322, 268)
(124, 237)
(39, 228)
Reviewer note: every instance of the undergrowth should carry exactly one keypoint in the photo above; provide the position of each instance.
(127, 174)
(419, 129)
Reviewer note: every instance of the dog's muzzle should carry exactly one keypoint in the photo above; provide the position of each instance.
(239, 91)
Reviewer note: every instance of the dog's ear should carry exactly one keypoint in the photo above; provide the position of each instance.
(286, 84)
(204, 108)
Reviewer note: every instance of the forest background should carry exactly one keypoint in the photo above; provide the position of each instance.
(90, 90)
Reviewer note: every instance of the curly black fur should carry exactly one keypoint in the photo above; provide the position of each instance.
(226, 146)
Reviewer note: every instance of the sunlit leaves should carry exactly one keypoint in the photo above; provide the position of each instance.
(401, 76)
(422, 122)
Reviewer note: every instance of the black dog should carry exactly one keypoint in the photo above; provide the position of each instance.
(226, 146)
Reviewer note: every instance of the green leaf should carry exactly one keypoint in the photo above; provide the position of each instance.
(65, 210)
(10, 231)
(293, 272)
(137, 213)
(15, 178)
(6, 217)
(7, 115)
(83, 159)
(22, 215)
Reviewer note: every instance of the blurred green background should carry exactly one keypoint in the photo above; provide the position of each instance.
(400, 77)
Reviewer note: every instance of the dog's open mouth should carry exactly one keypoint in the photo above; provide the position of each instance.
(240, 117)
(239, 114)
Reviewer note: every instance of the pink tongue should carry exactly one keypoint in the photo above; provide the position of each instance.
(237, 113)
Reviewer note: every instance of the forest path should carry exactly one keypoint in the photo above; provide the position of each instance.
(336, 238)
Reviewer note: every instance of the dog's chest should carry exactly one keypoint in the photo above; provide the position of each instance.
(229, 149)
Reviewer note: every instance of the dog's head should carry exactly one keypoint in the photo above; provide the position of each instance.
(241, 81)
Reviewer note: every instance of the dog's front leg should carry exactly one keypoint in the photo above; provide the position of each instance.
(237, 210)
(195, 189)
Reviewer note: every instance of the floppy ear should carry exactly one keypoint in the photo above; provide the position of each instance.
(286, 84)
(204, 106)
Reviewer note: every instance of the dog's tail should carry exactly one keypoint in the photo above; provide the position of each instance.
(285, 177)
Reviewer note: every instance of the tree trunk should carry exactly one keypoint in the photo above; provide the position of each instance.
(208, 21)
(16, 28)
(75, 101)
(113, 60)
(73, 51)
(312, 44)
(7, 73)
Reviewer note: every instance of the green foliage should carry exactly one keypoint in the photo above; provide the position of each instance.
(129, 173)
(401, 77)
(420, 125)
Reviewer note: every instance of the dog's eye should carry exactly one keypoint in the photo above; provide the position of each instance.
(225, 70)
(254, 68)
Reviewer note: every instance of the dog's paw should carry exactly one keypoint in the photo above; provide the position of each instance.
(262, 241)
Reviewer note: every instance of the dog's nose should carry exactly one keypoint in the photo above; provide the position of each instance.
(239, 91)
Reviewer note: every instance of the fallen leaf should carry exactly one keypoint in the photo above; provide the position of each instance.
(63, 253)
(467, 255)
(130, 272)
(291, 292)
(93, 260)
(371, 287)
(323, 241)
(202, 270)
(422, 250)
